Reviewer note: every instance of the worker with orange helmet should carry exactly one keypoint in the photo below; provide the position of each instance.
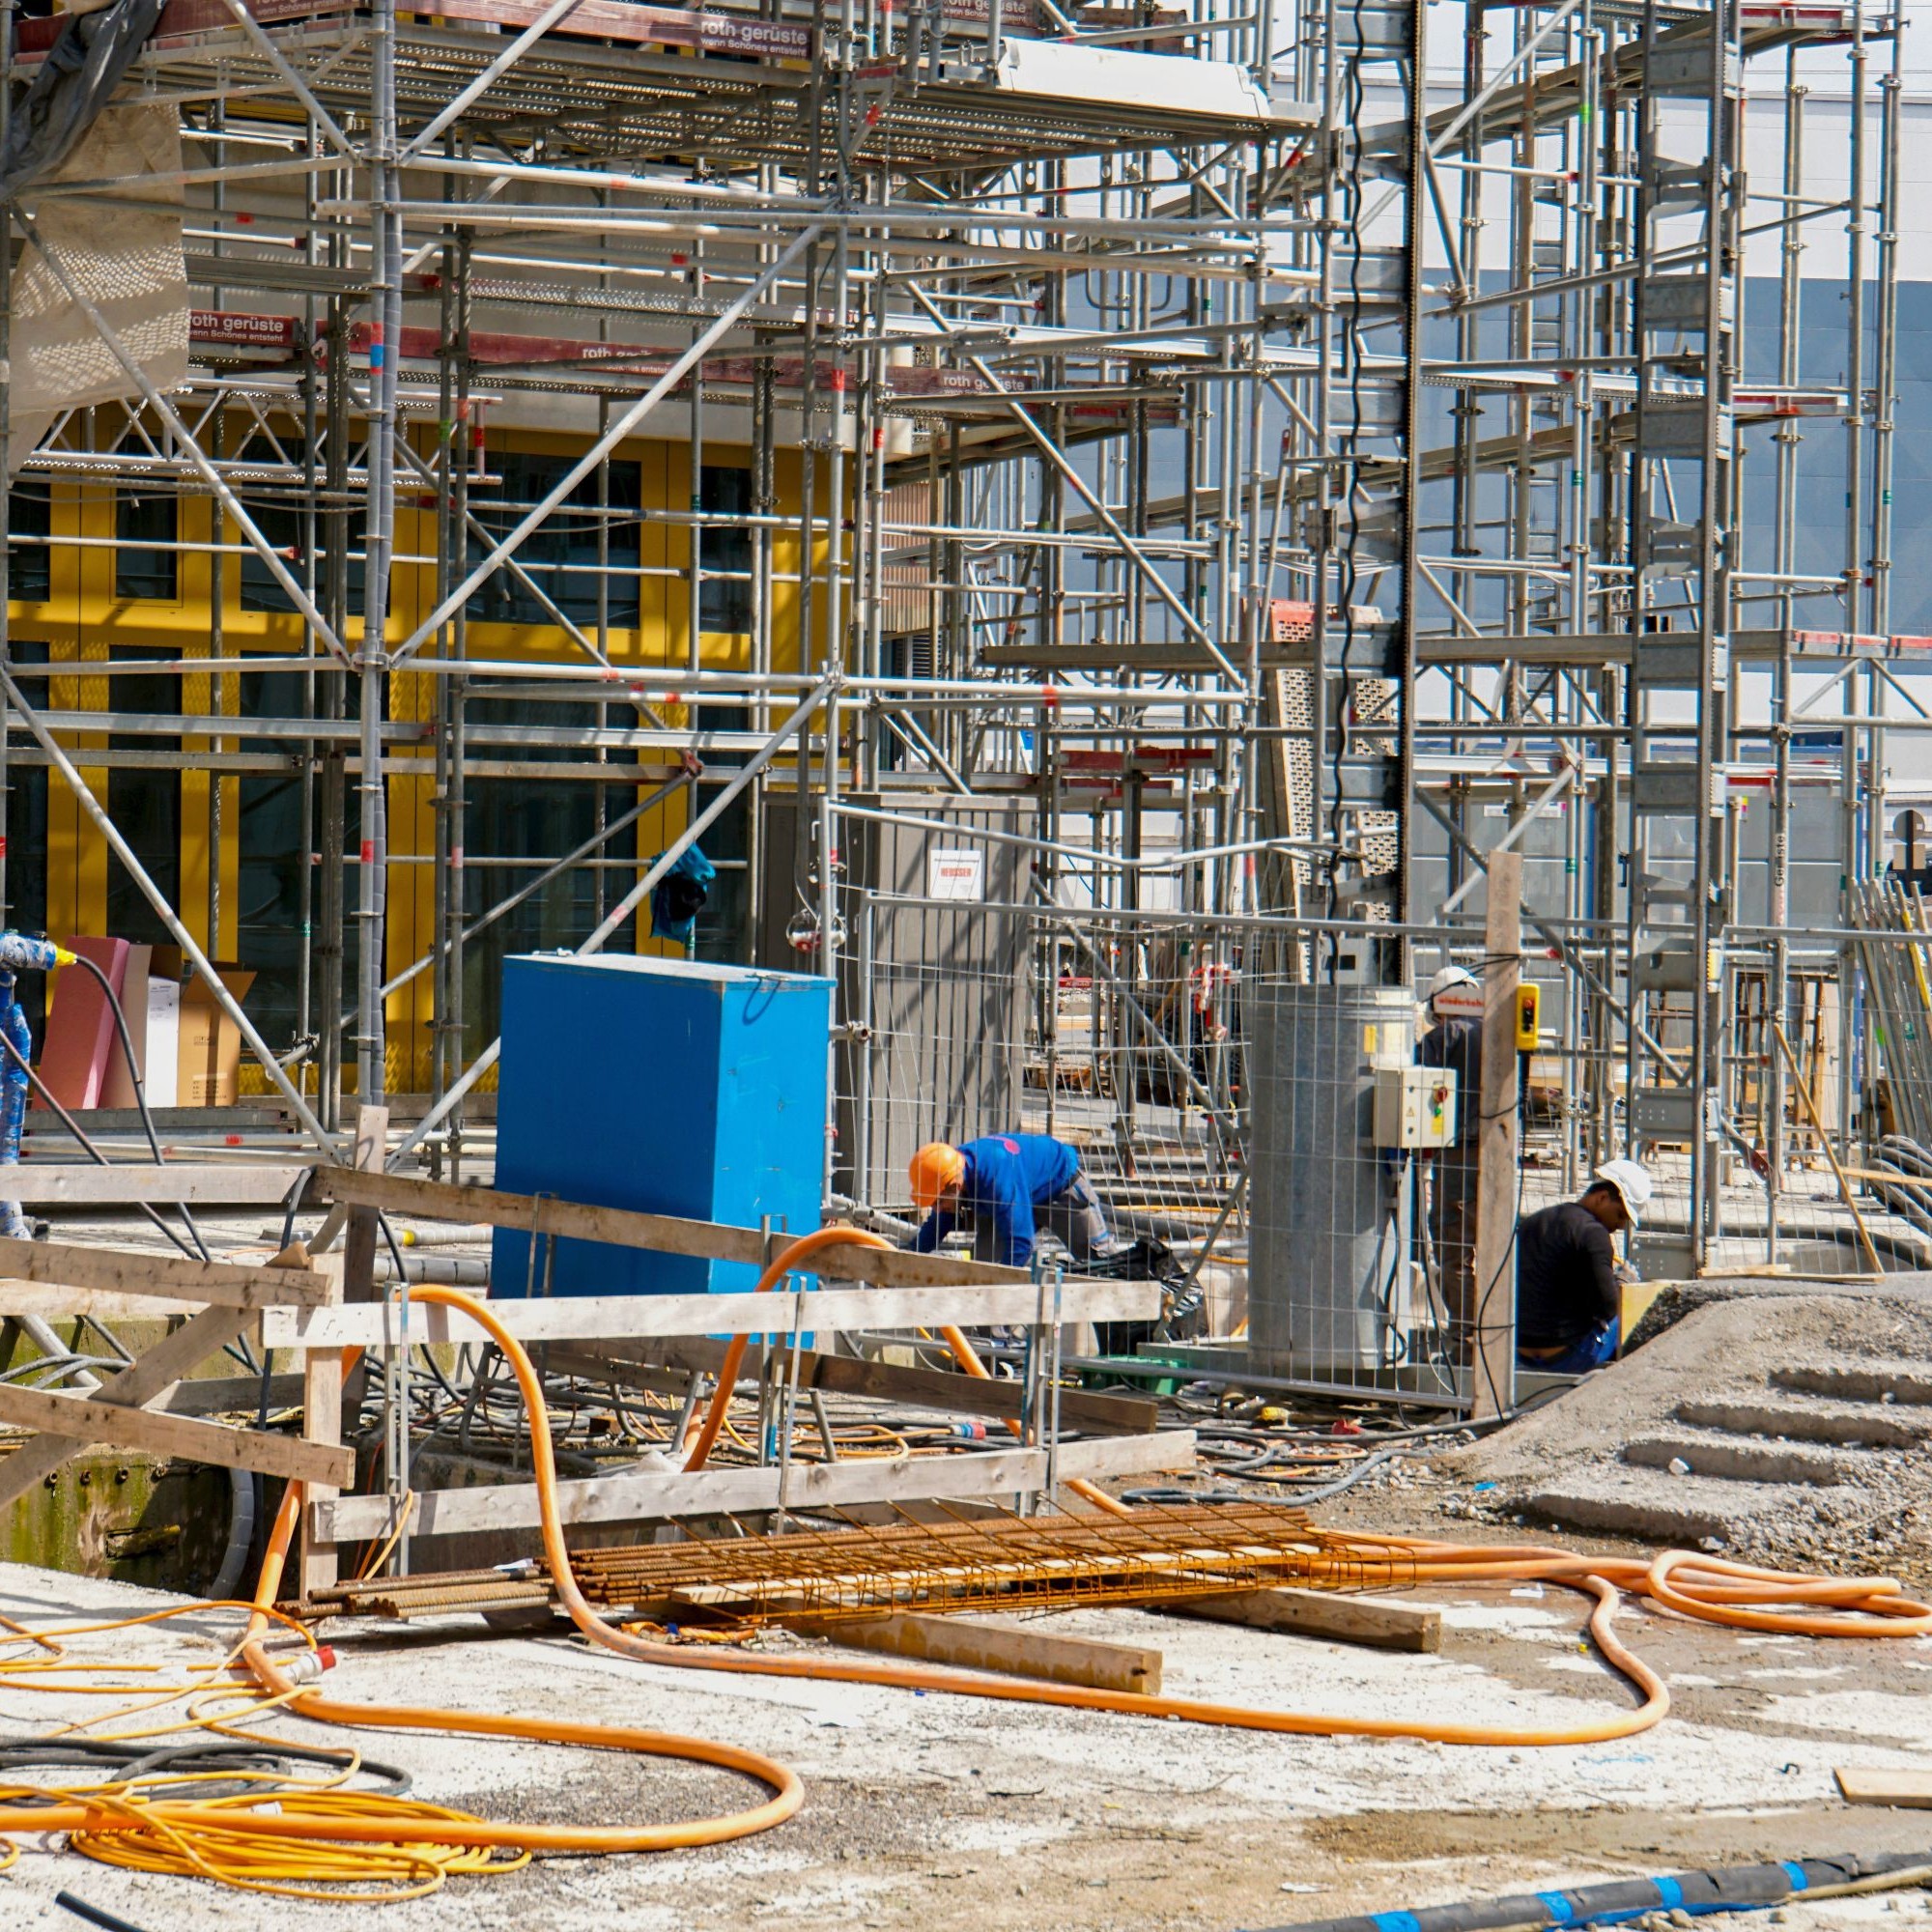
(1006, 1187)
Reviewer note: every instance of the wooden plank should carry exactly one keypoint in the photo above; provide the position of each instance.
(1371, 1621)
(121, 1271)
(1493, 1347)
(89, 1421)
(142, 1384)
(239, 1183)
(632, 1499)
(589, 1318)
(1909, 1790)
(627, 1228)
(845, 1375)
(218, 1395)
(995, 1647)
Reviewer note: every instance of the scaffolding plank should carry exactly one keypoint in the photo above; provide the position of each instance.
(629, 1228)
(123, 1271)
(591, 1317)
(632, 1498)
(885, 1382)
(135, 1184)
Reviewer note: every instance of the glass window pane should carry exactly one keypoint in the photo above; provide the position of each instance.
(143, 518)
(559, 556)
(144, 802)
(724, 603)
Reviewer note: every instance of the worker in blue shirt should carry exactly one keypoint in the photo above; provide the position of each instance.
(1006, 1187)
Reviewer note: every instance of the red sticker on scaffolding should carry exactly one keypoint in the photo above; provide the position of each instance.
(368, 851)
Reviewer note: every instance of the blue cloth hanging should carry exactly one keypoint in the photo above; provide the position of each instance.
(679, 896)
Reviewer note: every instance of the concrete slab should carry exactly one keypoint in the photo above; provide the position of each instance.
(1908, 1382)
(1716, 1455)
(1652, 1506)
(1850, 1424)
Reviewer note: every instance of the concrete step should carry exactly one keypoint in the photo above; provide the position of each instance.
(1851, 1425)
(1909, 1382)
(1652, 1506)
(1714, 1455)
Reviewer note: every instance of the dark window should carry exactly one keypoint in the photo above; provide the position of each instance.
(523, 821)
(724, 603)
(29, 515)
(273, 854)
(275, 510)
(145, 518)
(144, 802)
(560, 554)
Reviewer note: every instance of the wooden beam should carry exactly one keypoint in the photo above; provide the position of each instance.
(218, 1395)
(641, 1497)
(130, 1184)
(88, 1421)
(1909, 1790)
(142, 1384)
(121, 1271)
(1492, 1350)
(995, 1647)
(883, 1382)
(1371, 1621)
(589, 1318)
(627, 1228)
(321, 1421)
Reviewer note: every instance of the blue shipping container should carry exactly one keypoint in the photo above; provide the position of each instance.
(665, 1085)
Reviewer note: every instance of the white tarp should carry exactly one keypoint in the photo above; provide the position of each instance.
(126, 260)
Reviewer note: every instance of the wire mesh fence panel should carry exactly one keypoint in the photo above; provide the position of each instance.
(1240, 1126)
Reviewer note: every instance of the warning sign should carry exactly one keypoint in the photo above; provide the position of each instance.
(956, 875)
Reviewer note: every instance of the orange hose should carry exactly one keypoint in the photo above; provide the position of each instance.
(780, 1265)
(1431, 1561)
(1657, 1697)
(964, 1354)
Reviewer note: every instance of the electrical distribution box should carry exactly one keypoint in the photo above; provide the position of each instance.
(1415, 1106)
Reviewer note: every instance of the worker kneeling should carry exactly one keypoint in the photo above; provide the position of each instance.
(1569, 1297)
(1005, 1188)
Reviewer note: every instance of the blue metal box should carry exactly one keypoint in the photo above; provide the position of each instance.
(660, 1085)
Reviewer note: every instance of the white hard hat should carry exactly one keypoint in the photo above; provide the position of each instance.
(1631, 1181)
(1448, 977)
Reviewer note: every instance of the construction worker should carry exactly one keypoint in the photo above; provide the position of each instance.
(1456, 1041)
(1568, 1298)
(1005, 1187)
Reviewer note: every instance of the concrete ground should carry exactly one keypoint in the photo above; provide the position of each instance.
(944, 1814)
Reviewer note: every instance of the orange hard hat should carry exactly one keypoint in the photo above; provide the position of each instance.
(935, 1169)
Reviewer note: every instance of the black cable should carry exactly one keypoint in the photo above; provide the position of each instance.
(395, 1252)
(120, 1013)
(74, 1128)
(199, 1760)
(108, 1922)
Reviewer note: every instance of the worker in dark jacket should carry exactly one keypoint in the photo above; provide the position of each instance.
(1456, 1042)
(1569, 1292)
(1006, 1187)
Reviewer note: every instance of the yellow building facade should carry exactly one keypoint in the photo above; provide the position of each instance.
(88, 590)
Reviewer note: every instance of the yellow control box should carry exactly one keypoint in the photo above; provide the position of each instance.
(1528, 1012)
